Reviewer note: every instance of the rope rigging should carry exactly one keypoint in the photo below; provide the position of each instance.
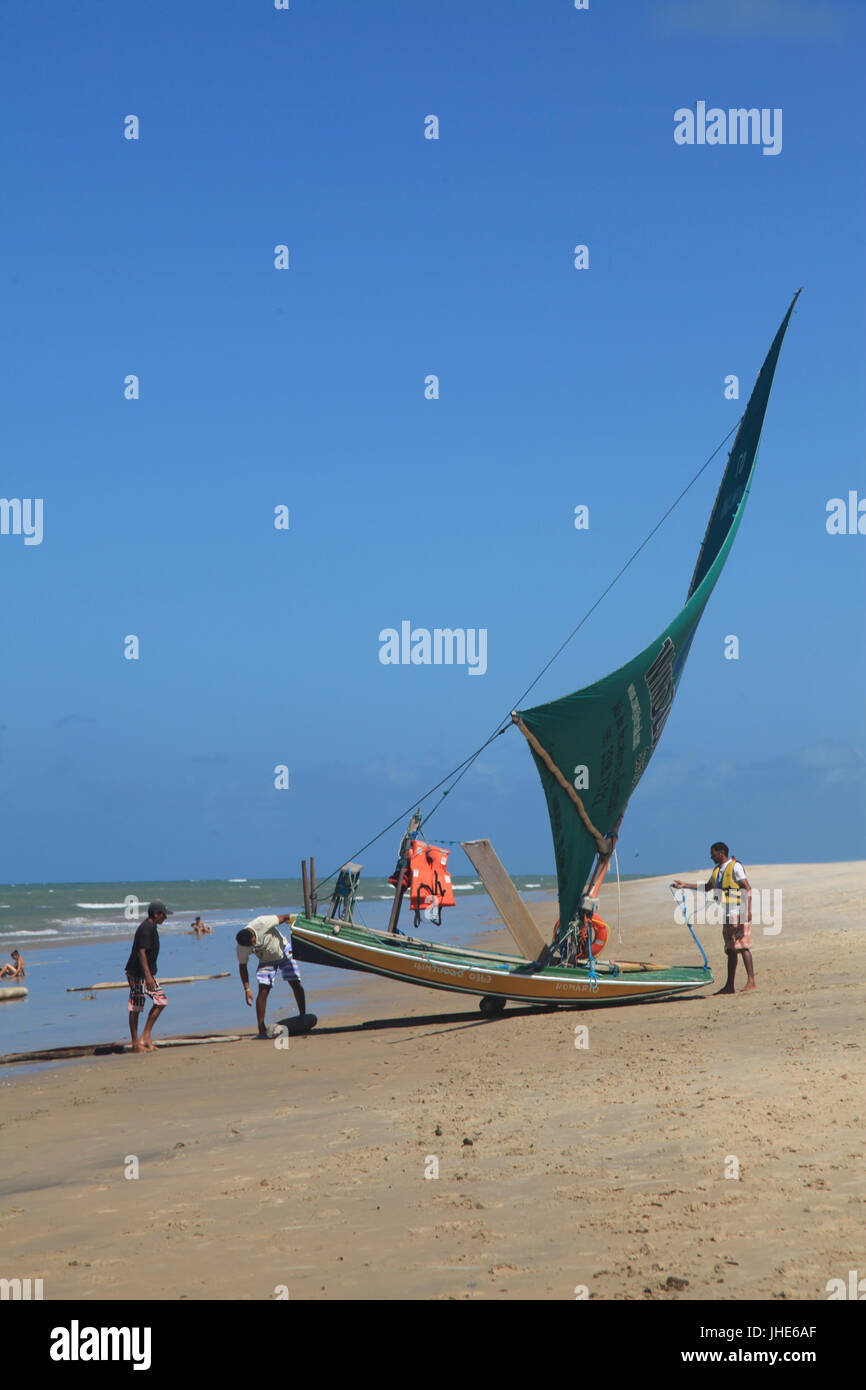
(462, 768)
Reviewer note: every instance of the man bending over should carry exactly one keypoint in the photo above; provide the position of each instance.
(262, 938)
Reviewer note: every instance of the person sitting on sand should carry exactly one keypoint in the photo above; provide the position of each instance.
(15, 970)
(728, 882)
(141, 973)
(262, 938)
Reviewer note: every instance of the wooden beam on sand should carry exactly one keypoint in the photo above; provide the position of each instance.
(511, 907)
(62, 1054)
(12, 992)
(124, 984)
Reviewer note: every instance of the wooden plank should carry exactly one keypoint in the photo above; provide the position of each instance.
(13, 992)
(510, 906)
(62, 1054)
(124, 984)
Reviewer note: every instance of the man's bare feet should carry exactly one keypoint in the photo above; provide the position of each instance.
(750, 985)
(138, 1047)
(725, 990)
(149, 1045)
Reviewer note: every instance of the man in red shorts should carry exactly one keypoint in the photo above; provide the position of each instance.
(729, 885)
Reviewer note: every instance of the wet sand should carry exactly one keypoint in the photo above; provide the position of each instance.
(304, 1169)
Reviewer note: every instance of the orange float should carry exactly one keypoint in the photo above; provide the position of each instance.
(599, 934)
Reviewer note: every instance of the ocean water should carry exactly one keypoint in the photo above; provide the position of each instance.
(77, 934)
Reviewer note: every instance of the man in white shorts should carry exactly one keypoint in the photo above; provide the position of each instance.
(262, 938)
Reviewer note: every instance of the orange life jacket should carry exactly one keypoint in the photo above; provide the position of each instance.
(428, 876)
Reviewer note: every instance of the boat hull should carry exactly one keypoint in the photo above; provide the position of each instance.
(318, 941)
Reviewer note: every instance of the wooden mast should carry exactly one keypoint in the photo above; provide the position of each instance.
(402, 861)
(306, 888)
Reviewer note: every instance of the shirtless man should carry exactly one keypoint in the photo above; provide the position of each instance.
(16, 970)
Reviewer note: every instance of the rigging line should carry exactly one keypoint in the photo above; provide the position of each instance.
(463, 768)
(632, 557)
(618, 898)
(415, 802)
(466, 766)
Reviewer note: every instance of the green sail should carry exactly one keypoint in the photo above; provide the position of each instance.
(612, 728)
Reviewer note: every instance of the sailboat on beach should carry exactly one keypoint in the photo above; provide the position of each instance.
(591, 749)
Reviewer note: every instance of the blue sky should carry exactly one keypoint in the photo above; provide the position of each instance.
(305, 387)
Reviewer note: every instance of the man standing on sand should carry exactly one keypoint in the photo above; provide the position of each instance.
(728, 882)
(141, 973)
(262, 938)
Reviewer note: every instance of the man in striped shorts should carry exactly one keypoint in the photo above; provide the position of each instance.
(141, 974)
(262, 938)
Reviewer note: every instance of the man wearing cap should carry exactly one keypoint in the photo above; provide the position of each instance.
(262, 938)
(141, 973)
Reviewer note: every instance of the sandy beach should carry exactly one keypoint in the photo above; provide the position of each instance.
(263, 1169)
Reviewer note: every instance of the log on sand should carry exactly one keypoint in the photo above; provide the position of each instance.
(124, 984)
(62, 1054)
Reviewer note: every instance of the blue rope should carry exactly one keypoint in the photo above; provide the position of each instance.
(688, 923)
(593, 977)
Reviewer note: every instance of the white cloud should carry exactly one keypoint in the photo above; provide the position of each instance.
(837, 762)
(797, 19)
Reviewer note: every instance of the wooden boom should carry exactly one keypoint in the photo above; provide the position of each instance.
(124, 984)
